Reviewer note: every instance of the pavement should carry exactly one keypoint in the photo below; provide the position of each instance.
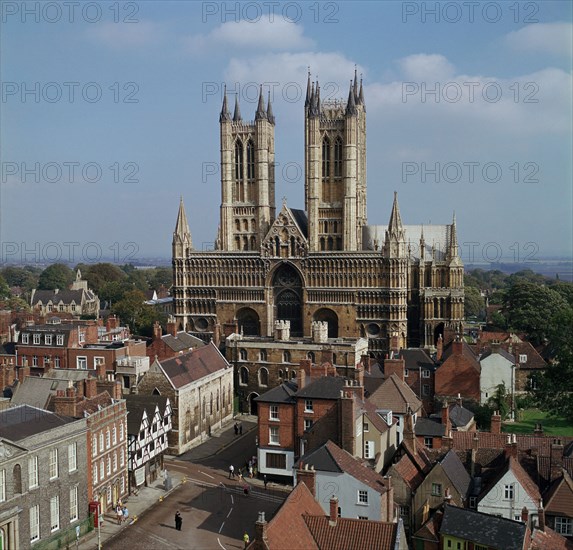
(156, 492)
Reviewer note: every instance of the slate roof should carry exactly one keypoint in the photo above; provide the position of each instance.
(194, 365)
(520, 474)
(534, 359)
(301, 219)
(456, 472)
(137, 404)
(483, 529)
(501, 352)
(23, 421)
(355, 534)
(428, 427)
(65, 296)
(182, 341)
(326, 387)
(460, 416)
(416, 358)
(281, 394)
(331, 458)
(37, 392)
(466, 352)
(396, 395)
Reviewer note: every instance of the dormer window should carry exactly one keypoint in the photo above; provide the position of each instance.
(25, 338)
(523, 358)
(37, 338)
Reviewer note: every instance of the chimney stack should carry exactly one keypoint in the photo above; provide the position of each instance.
(439, 348)
(457, 346)
(90, 387)
(495, 423)
(308, 477)
(446, 417)
(261, 530)
(101, 371)
(333, 511)
(157, 331)
(511, 446)
(171, 326)
(524, 515)
(394, 366)
(541, 516)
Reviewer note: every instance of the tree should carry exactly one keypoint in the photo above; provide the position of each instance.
(24, 277)
(161, 276)
(132, 310)
(4, 289)
(474, 303)
(531, 307)
(56, 276)
(99, 274)
(500, 401)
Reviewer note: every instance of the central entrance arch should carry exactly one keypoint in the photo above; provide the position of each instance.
(287, 289)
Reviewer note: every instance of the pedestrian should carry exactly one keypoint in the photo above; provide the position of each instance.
(240, 475)
(246, 539)
(125, 514)
(265, 480)
(246, 489)
(178, 521)
(251, 472)
(236, 429)
(231, 471)
(119, 514)
(240, 429)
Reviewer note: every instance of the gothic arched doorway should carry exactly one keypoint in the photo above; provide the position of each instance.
(248, 322)
(287, 286)
(253, 403)
(328, 315)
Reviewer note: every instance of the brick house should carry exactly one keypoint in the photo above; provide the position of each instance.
(199, 385)
(459, 373)
(43, 481)
(300, 524)
(172, 344)
(558, 504)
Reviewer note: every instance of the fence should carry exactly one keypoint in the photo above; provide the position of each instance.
(67, 538)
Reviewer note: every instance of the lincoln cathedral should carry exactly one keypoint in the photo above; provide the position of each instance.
(394, 284)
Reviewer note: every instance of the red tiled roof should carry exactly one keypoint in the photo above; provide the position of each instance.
(535, 444)
(355, 534)
(396, 395)
(549, 540)
(92, 405)
(193, 365)
(288, 530)
(534, 360)
(374, 418)
(525, 481)
(407, 470)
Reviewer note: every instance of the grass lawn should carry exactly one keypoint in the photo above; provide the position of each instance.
(529, 417)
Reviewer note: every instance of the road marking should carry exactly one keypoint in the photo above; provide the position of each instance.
(229, 512)
(164, 542)
(206, 474)
(232, 500)
(220, 544)
(221, 528)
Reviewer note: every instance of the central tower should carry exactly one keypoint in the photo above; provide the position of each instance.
(335, 168)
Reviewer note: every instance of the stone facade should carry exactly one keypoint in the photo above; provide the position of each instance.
(323, 263)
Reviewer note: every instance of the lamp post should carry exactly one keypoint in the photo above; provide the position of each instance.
(99, 521)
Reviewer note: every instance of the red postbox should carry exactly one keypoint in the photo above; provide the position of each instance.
(94, 509)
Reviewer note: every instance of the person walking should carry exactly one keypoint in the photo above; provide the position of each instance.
(246, 539)
(246, 489)
(178, 521)
(241, 429)
(251, 472)
(125, 514)
(236, 429)
(119, 514)
(231, 472)
(265, 480)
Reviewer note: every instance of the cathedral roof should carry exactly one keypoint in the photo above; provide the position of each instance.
(301, 220)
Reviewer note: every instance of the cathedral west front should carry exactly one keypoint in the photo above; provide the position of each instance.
(394, 284)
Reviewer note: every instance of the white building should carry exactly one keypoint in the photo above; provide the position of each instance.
(497, 367)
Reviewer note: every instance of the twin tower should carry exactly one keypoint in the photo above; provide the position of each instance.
(335, 172)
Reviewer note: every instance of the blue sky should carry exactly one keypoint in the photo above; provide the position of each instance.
(139, 127)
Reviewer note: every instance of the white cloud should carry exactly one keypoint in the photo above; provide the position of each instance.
(127, 36)
(426, 67)
(264, 34)
(553, 38)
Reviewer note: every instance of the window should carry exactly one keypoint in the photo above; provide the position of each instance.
(238, 161)
(114, 435)
(244, 376)
(121, 459)
(523, 358)
(108, 494)
(369, 449)
(121, 432)
(325, 159)
(273, 436)
(362, 497)
(57, 362)
(365, 426)
(263, 377)
(362, 517)
(243, 354)
(94, 473)
(338, 158)
(107, 439)
(48, 339)
(2, 485)
(115, 462)
(564, 526)
(37, 338)
(53, 463)
(72, 457)
(308, 405)
(275, 460)
(82, 363)
(33, 472)
(94, 445)
(307, 424)
(508, 492)
(426, 389)
(429, 442)
(108, 465)
(35, 523)
(55, 513)
(263, 355)
(74, 503)
(406, 373)
(25, 338)
(286, 356)
(310, 356)
(35, 361)
(274, 412)
(60, 339)
(101, 470)
(436, 489)
(101, 442)
(426, 373)
(473, 502)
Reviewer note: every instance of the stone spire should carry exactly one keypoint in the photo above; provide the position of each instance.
(225, 114)
(355, 85)
(182, 234)
(308, 92)
(395, 224)
(237, 114)
(361, 95)
(261, 111)
(351, 109)
(422, 245)
(270, 115)
(453, 239)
